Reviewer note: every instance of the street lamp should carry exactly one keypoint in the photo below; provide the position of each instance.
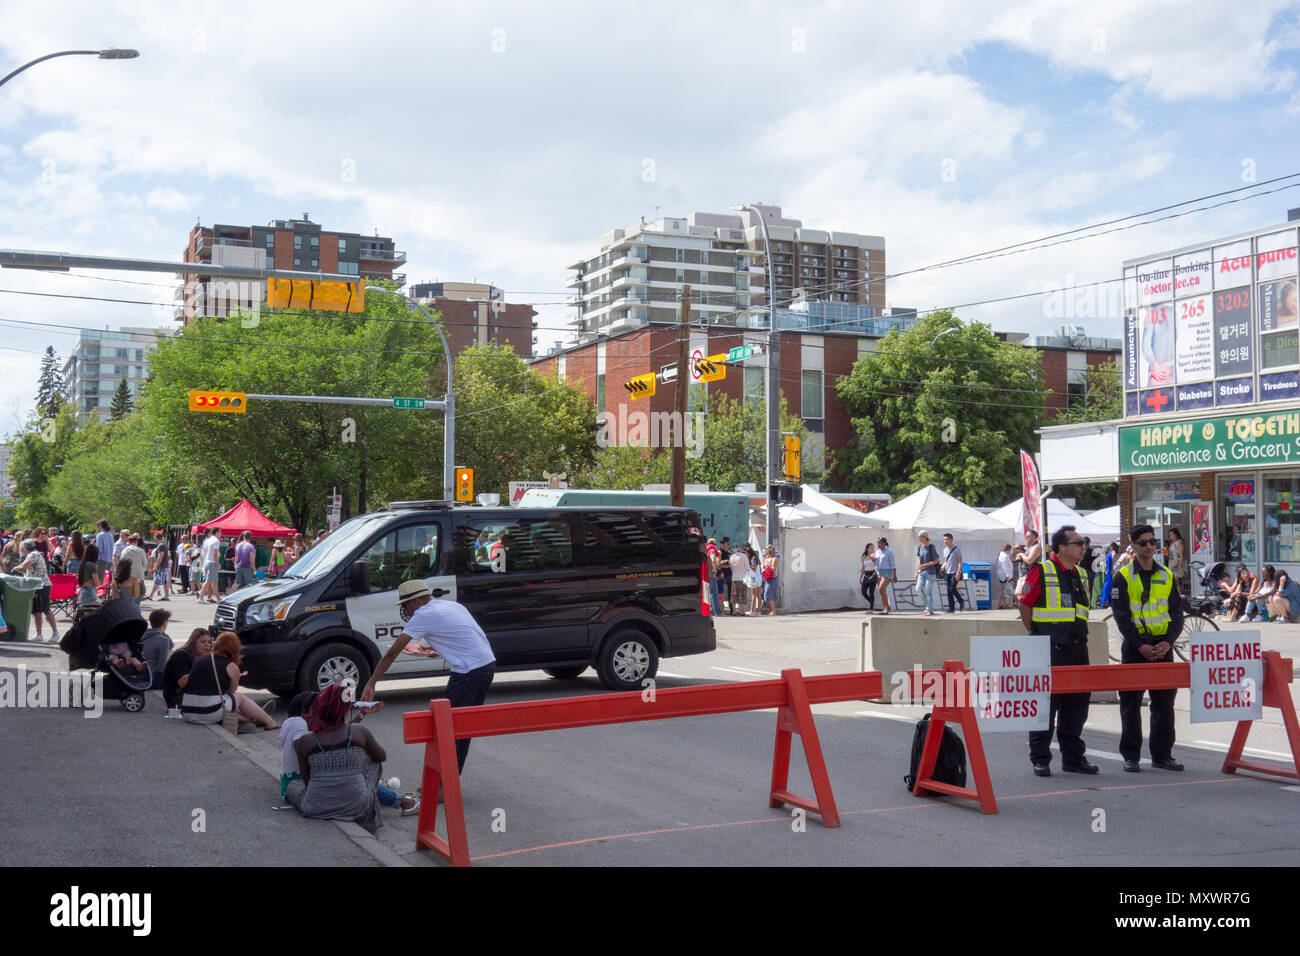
(109, 54)
(773, 422)
(942, 334)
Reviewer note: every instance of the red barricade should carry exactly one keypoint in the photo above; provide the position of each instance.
(439, 727)
(952, 704)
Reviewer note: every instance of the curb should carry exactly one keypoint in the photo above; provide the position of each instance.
(360, 837)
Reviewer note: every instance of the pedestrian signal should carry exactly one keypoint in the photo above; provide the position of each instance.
(643, 386)
(201, 401)
(311, 294)
(464, 484)
(713, 368)
(792, 458)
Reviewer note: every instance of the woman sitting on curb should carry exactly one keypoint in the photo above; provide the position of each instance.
(340, 764)
(214, 678)
(295, 726)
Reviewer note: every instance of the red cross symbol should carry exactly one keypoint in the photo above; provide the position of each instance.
(1157, 401)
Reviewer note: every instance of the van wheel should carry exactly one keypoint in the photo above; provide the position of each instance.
(334, 664)
(564, 673)
(626, 659)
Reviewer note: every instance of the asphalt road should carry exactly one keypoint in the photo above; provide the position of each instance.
(690, 791)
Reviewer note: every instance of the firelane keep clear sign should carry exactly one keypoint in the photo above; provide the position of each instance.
(1012, 678)
(1227, 676)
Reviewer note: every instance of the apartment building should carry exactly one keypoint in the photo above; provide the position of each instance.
(102, 359)
(290, 244)
(476, 314)
(637, 276)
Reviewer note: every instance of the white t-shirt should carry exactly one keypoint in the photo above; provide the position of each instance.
(291, 730)
(1006, 570)
(451, 631)
(868, 564)
(211, 549)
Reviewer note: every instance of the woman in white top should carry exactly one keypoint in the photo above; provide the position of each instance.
(1033, 554)
(867, 576)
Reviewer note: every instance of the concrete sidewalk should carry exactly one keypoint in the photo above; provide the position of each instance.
(137, 790)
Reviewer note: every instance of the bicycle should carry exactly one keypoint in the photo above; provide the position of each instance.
(1197, 616)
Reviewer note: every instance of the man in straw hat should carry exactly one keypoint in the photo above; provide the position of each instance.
(450, 631)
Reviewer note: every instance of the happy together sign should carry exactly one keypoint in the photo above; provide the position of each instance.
(1210, 443)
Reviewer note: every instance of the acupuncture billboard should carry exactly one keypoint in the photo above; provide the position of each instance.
(1213, 327)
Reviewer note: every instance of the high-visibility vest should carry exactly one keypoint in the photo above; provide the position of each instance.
(1050, 610)
(1150, 616)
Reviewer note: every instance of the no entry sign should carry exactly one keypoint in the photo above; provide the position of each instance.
(1012, 682)
(1227, 676)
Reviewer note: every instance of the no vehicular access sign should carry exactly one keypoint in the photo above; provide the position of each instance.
(1012, 679)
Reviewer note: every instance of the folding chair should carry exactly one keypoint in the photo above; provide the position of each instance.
(63, 594)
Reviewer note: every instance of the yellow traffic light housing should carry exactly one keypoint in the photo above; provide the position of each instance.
(464, 484)
(713, 368)
(642, 386)
(204, 401)
(792, 463)
(310, 294)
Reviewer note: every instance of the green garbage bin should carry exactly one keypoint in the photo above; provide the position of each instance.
(16, 594)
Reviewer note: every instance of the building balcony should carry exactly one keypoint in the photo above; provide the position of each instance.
(398, 277)
(204, 246)
(394, 257)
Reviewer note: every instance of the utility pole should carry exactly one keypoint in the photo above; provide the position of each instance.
(677, 492)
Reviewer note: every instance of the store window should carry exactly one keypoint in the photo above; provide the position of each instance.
(1236, 519)
(1281, 526)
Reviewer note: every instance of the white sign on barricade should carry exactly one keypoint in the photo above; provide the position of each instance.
(1227, 676)
(1012, 679)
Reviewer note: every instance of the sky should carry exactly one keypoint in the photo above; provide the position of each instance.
(497, 142)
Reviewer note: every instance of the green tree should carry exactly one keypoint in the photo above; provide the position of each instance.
(735, 449)
(122, 404)
(512, 423)
(109, 473)
(1103, 397)
(49, 388)
(38, 455)
(625, 468)
(952, 412)
(1103, 401)
(286, 457)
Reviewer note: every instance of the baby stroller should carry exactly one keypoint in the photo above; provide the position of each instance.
(97, 628)
(1211, 594)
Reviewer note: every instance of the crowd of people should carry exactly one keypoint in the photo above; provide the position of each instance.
(740, 580)
(145, 568)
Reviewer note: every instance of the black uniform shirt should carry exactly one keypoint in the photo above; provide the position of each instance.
(1124, 614)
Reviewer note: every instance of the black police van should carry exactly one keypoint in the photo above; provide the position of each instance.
(560, 589)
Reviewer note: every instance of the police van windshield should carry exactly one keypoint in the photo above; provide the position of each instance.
(344, 539)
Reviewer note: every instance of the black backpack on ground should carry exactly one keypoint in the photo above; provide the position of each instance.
(950, 766)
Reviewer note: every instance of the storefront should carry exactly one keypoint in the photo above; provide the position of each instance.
(1210, 440)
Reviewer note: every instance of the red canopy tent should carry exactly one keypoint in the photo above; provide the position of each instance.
(245, 517)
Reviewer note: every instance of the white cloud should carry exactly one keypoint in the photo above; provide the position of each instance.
(169, 200)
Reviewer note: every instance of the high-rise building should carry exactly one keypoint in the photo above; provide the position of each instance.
(638, 274)
(100, 361)
(6, 483)
(291, 244)
(475, 314)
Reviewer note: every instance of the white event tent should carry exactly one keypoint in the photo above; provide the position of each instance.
(1107, 518)
(1059, 513)
(821, 543)
(979, 536)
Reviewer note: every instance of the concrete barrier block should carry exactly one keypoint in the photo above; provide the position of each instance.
(897, 643)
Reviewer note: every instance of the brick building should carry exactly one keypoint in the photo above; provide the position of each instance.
(476, 314)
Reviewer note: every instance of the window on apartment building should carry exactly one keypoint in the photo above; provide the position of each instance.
(681, 276)
(600, 393)
(315, 242)
(704, 297)
(754, 391)
(297, 263)
(681, 255)
(811, 398)
(270, 240)
(343, 246)
(297, 243)
(315, 263)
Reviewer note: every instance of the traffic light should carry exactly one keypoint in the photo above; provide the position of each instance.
(310, 294)
(464, 484)
(204, 401)
(713, 368)
(792, 458)
(642, 386)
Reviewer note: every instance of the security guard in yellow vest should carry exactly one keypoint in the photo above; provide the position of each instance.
(1149, 614)
(1055, 602)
